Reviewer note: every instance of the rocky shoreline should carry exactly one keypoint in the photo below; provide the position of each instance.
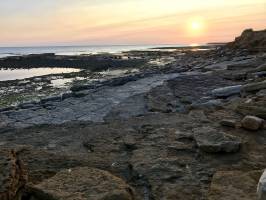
(193, 128)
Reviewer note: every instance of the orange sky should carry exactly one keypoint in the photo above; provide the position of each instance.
(84, 22)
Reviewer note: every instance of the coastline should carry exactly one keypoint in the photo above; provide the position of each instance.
(172, 125)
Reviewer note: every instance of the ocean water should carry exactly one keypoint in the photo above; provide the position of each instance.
(13, 74)
(74, 50)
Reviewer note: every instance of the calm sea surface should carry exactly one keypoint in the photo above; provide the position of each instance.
(73, 50)
(12, 74)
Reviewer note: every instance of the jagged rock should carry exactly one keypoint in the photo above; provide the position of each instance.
(254, 87)
(252, 123)
(212, 141)
(251, 40)
(12, 176)
(227, 91)
(228, 123)
(234, 185)
(83, 184)
(261, 190)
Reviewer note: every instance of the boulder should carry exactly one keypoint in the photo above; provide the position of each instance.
(213, 141)
(83, 183)
(261, 190)
(13, 176)
(253, 87)
(227, 91)
(252, 123)
(234, 185)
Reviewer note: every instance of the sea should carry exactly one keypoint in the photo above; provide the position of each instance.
(75, 50)
(14, 74)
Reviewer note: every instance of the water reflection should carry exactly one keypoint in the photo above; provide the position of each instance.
(118, 72)
(64, 82)
(10, 74)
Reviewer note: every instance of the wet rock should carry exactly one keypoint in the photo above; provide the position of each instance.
(7, 108)
(77, 88)
(52, 98)
(234, 185)
(83, 184)
(27, 105)
(227, 91)
(12, 176)
(82, 93)
(252, 123)
(261, 190)
(66, 95)
(252, 87)
(213, 141)
(228, 123)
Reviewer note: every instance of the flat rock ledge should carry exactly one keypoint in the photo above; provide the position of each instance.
(212, 141)
(82, 183)
(234, 185)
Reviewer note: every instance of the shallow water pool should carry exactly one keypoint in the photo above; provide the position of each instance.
(13, 74)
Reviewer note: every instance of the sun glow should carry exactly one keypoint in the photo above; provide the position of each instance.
(196, 26)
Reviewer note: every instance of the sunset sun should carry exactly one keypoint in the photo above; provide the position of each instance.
(196, 26)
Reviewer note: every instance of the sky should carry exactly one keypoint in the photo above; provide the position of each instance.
(102, 22)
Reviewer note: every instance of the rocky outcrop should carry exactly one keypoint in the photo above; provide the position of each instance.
(83, 184)
(250, 40)
(234, 185)
(12, 176)
(252, 123)
(92, 62)
(213, 141)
